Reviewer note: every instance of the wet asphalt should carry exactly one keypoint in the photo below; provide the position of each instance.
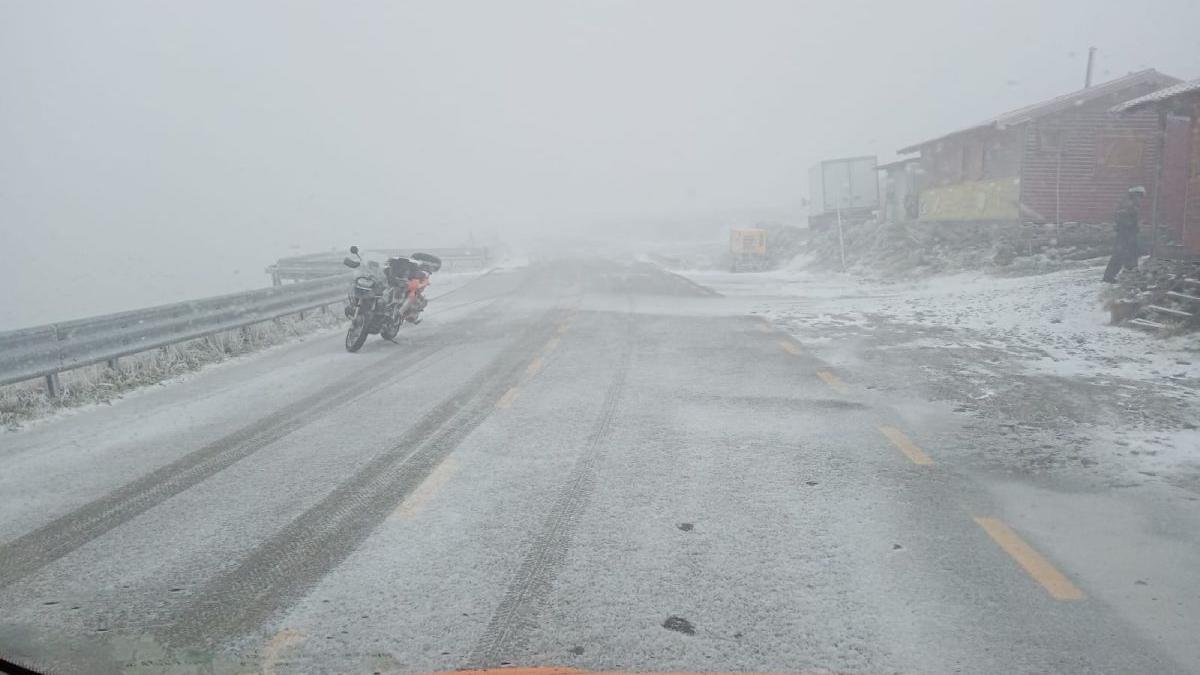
(582, 463)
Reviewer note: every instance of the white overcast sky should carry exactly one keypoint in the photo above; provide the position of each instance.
(151, 149)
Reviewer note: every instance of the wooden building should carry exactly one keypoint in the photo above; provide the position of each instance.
(1176, 212)
(1067, 159)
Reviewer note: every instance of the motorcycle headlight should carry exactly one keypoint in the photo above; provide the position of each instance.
(365, 283)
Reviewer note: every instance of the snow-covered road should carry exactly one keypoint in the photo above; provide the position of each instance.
(599, 465)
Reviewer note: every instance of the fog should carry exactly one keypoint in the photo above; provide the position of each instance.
(152, 152)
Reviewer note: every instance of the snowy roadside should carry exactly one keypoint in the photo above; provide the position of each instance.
(1055, 321)
(26, 403)
(1034, 356)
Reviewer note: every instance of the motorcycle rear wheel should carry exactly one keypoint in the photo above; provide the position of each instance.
(356, 335)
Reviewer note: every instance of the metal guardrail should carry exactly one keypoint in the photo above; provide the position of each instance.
(319, 265)
(46, 351)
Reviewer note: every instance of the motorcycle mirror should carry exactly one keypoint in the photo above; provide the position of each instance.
(354, 250)
(350, 262)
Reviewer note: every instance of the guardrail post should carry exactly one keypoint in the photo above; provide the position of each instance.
(112, 364)
(53, 386)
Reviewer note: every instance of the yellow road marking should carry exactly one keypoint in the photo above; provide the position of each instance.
(789, 347)
(764, 327)
(562, 328)
(282, 640)
(833, 381)
(552, 344)
(1055, 583)
(534, 366)
(905, 445)
(507, 399)
(425, 491)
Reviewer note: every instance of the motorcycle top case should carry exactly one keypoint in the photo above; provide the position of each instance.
(430, 262)
(400, 269)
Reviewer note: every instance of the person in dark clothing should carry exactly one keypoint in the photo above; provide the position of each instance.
(1125, 247)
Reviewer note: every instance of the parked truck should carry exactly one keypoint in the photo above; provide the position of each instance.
(848, 187)
(748, 249)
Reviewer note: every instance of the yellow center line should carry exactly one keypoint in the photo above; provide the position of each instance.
(833, 381)
(765, 327)
(275, 647)
(415, 502)
(507, 399)
(789, 347)
(1055, 583)
(904, 444)
(534, 366)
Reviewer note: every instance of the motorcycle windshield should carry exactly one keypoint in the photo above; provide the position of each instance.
(372, 266)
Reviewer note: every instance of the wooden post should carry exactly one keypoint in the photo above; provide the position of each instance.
(112, 363)
(1087, 78)
(53, 386)
(1158, 176)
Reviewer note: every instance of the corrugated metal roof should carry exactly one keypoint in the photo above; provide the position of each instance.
(1158, 96)
(898, 163)
(1057, 104)
(845, 159)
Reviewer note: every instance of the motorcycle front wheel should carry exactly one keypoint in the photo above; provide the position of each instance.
(390, 329)
(356, 335)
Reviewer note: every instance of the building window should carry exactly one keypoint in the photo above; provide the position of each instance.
(1121, 153)
(1050, 140)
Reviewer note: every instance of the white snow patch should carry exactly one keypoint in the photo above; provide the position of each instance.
(1055, 322)
(1051, 324)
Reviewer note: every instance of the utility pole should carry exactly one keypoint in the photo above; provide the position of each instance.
(1087, 79)
(841, 238)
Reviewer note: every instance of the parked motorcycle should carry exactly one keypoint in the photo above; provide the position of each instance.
(381, 300)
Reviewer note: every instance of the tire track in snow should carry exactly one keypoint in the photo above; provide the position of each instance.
(32, 551)
(281, 570)
(531, 584)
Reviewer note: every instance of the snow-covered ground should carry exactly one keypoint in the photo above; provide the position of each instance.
(1034, 353)
(1055, 321)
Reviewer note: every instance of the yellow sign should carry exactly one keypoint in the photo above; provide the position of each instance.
(980, 200)
(748, 242)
